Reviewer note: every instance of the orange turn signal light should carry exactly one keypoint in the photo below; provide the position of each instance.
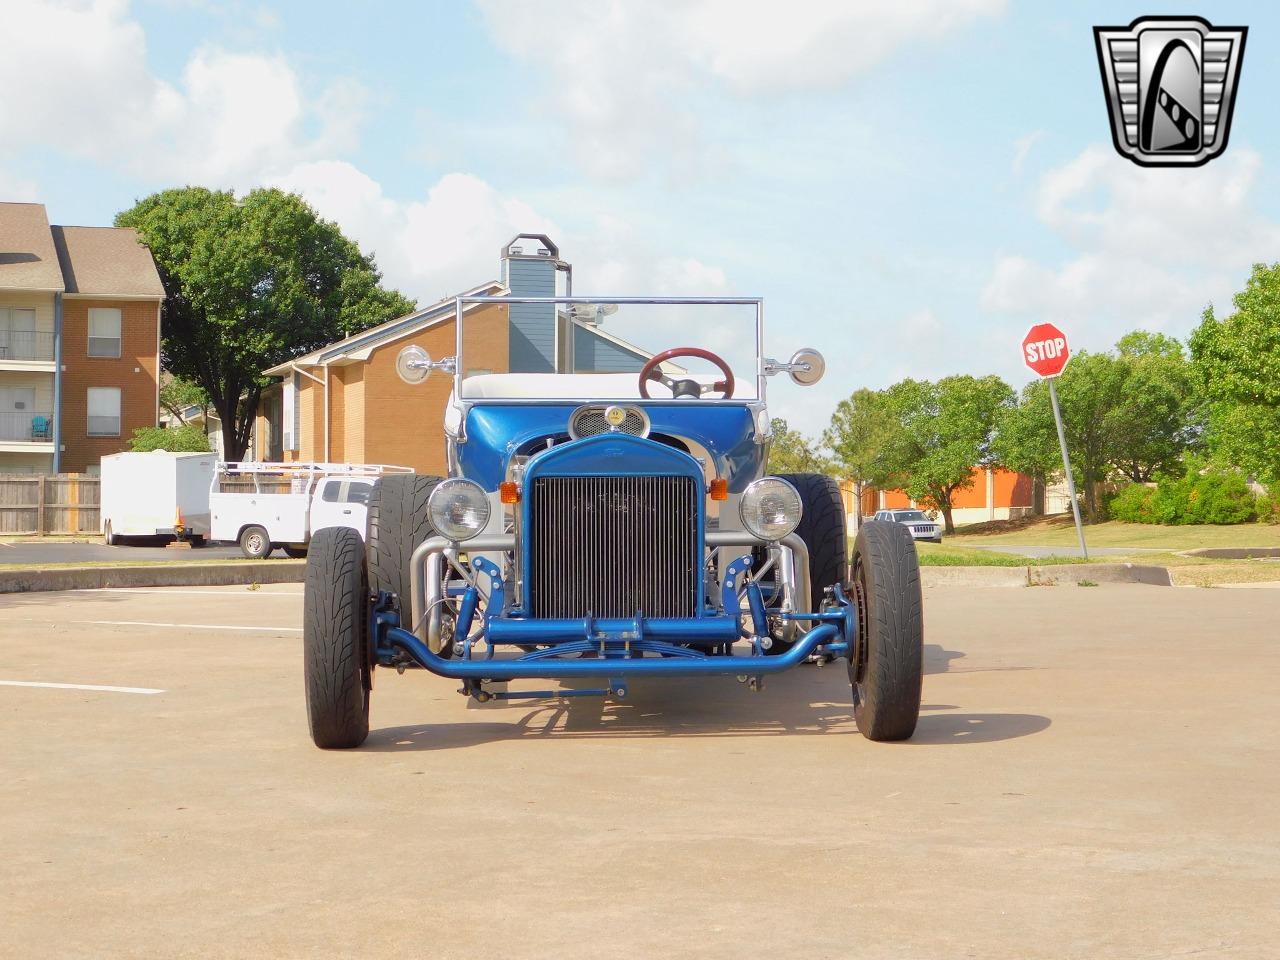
(719, 489)
(509, 491)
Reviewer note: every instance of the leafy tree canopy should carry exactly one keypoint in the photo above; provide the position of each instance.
(178, 395)
(940, 432)
(181, 439)
(791, 451)
(1237, 364)
(859, 430)
(250, 283)
(1134, 411)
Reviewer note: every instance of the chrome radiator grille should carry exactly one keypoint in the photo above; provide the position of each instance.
(612, 546)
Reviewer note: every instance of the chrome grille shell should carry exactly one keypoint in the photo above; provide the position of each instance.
(612, 526)
(614, 547)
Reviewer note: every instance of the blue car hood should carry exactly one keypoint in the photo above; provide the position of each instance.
(494, 431)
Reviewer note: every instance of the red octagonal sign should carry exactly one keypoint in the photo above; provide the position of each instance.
(1045, 350)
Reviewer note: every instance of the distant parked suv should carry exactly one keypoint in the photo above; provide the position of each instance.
(921, 527)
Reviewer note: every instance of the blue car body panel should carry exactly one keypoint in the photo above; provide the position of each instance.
(495, 430)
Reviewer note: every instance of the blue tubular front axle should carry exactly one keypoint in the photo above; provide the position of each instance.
(825, 634)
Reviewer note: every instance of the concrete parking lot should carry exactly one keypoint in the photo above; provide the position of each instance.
(1094, 775)
(38, 552)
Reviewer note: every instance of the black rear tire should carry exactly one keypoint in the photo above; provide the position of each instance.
(823, 530)
(108, 537)
(255, 543)
(886, 666)
(398, 524)
(295, 551)
(335, 642)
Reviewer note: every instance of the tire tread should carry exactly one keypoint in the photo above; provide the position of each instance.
(893, 682)
(334, 640)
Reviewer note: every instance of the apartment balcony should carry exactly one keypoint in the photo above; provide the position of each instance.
(26, 430)
(26, 350)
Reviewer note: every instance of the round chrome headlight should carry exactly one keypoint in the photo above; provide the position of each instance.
(459, 508)
(771, 508)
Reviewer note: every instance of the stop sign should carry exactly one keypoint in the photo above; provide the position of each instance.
(1044, 350)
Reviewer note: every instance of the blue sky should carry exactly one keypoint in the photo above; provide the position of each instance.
(908, 185)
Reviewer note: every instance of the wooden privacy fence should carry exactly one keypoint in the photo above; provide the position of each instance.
(55, 503)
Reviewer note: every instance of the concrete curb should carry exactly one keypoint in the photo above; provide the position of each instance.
(973, 576)
(1044, 576)
(153, 575)
(1100, 573)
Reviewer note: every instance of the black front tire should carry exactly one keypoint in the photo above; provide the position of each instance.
(398, 524)
(335, 641)
(109, 538)
(255, 543)
(886, 666)
(823, 530)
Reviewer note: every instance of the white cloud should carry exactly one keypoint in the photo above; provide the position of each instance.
(429, 247)
(625, 76)
(232, 115)
(244, 119)
(1153, 246)
(1022, 148)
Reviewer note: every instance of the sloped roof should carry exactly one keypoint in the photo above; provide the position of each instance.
(106, 261)
(28, 260)
(391, 330)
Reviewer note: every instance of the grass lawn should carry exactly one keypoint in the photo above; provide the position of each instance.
(949, 555)
(1060, 531)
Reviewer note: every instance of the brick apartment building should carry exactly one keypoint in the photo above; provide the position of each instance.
(345, 402)
(79, 342)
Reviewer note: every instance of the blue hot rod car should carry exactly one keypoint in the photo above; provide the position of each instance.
(600, 526)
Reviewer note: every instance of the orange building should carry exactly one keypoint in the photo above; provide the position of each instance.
(995, 494)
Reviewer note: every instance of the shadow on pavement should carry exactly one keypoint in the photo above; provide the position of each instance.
(805, 702)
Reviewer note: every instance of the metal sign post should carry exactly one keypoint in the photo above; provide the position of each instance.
(1045, 352)
(1066, 465)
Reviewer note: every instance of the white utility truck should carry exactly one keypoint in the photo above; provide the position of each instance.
(263, 506)
(156, 494)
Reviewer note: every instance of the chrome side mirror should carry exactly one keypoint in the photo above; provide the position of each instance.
(414, 365)
(805, 367)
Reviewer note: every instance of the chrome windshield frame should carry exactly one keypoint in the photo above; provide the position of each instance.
(461, 302)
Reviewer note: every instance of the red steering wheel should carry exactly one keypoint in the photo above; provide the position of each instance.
(684, 387)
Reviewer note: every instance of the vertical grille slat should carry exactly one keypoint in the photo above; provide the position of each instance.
(611, 546)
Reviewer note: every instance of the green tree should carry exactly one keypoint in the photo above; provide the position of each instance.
(250, 283)
(860, 428)
(1237, 363)
(1160, 417)
(178, 396)
(1134, 411)
(941, 431)
(1091, 393)
(181, 439)
(791, 451)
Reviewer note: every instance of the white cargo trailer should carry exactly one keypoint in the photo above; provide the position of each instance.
(156, 494)
(264, 506)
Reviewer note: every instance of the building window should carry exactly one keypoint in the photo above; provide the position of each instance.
(104, 331)
(104, 411)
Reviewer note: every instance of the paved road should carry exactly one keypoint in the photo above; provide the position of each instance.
(1027, 551)
(36, 552)
(1094, 776)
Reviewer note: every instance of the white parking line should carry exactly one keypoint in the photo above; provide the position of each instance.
(79, 686)
(187, 626)
(170, 591)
